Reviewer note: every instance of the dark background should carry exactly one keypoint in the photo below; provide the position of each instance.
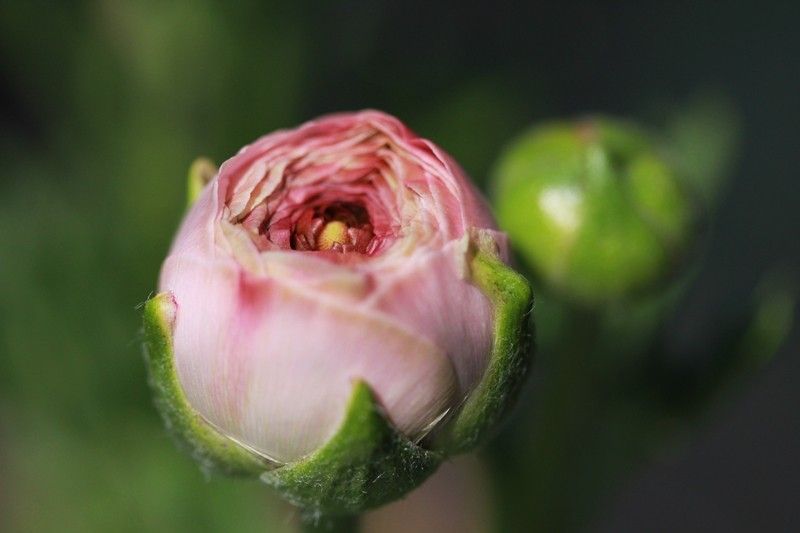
(104, 104)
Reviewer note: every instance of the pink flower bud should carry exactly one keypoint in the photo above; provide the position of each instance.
(322, 255)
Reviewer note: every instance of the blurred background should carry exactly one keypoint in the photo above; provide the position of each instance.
(104, 104)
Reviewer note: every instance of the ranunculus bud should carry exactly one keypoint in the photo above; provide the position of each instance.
(594, 209)
(336, 313)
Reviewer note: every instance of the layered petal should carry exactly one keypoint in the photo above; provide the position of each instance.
(334, 252)
(272, 366)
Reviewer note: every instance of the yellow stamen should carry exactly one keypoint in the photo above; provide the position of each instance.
(333, 232)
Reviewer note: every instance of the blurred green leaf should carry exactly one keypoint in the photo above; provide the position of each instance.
(704, 135)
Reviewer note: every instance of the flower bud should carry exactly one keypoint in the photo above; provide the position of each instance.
(593, 208)
(336, 309)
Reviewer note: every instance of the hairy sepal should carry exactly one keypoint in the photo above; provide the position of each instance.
(512, 301)
(365, 464)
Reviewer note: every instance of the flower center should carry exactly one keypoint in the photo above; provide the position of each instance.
(334, 232)
(338, 227)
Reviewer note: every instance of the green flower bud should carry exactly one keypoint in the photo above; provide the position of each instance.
(593, 208)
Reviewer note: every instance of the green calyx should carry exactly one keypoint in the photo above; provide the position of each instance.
(367, 462)
(512, 299)
(595, 210)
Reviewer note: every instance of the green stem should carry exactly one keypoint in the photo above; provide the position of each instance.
(317, 523)
(559, 438)
(547, 453)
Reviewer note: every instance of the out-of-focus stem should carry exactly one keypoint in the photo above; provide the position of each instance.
(545, 458)
(566, 410)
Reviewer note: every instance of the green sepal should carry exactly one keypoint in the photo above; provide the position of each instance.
(211, 449)
(512, 300)
(201, 172)
(365, 464)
